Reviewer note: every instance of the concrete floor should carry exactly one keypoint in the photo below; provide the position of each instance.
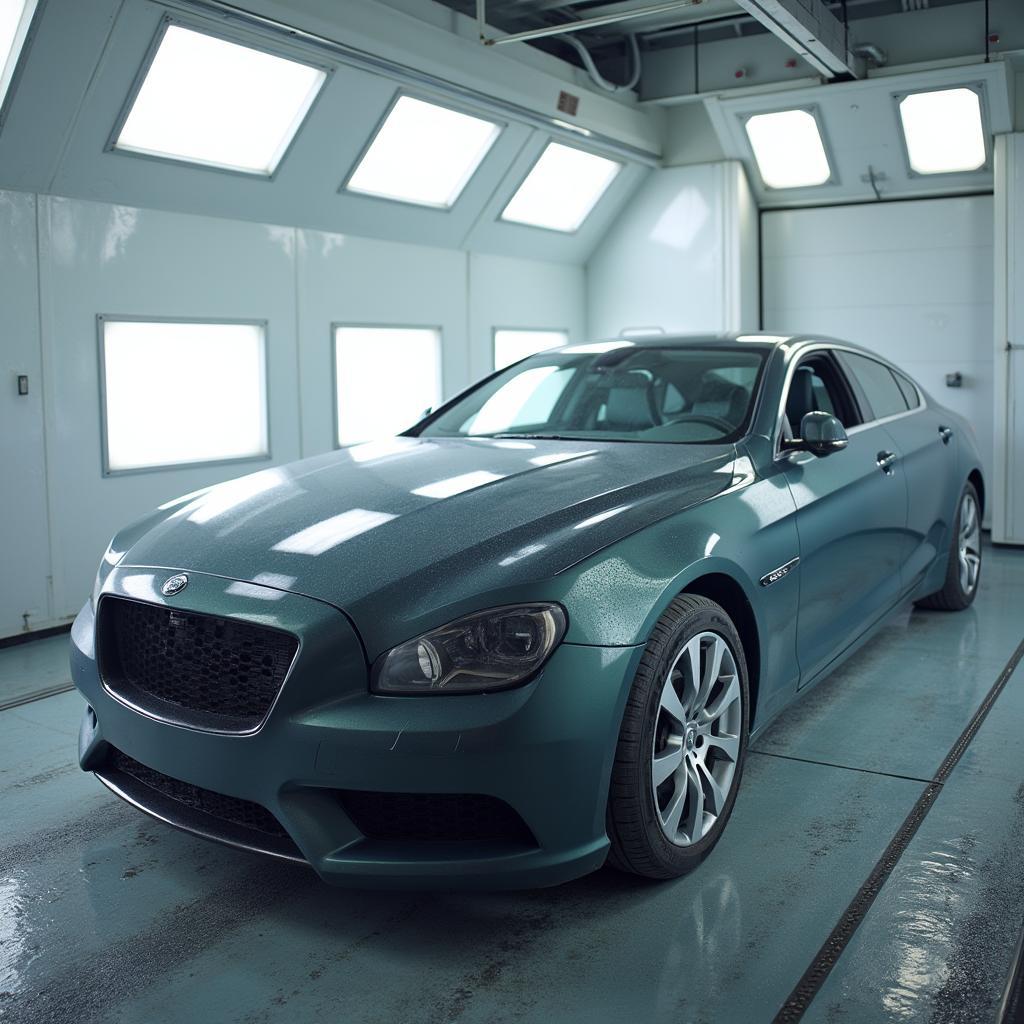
(106, 915)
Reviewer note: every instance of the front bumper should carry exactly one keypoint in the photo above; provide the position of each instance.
(545, 749)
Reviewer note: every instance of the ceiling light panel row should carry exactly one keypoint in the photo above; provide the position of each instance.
(926, 133)
(209, 100)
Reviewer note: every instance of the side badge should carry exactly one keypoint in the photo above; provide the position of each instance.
(175, 585)
(776, 574)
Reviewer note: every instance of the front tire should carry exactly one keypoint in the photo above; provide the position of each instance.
(963, 570)
(682, 743)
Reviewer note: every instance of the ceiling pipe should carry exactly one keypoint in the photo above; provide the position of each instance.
(870, 52)
(599, 79)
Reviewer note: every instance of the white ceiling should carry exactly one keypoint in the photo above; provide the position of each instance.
(82, 61)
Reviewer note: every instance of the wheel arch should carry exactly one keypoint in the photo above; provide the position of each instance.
(975, 478)
(727, 591)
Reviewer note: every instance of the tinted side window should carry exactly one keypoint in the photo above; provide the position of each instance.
(908, 389)
(878, 384)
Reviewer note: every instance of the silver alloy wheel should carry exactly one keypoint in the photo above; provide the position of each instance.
(697, 738)
(969, 543)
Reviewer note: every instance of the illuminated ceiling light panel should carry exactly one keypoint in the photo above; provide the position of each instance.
(423, 154)
(788, 149)
(15, 18)
(208, 101)
(513, 344)
(943, 131)
(561, 190)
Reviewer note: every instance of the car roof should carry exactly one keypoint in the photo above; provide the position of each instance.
(754, 339)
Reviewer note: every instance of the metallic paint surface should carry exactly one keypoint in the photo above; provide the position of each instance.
(369, 546)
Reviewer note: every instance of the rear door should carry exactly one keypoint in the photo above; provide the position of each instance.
(927, 447)
(851, 511)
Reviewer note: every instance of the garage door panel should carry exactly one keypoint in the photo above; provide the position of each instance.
(882, 227)
(909, 280)
(953, 277)
(945, 327)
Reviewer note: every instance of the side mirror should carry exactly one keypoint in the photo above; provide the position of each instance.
(821, 434)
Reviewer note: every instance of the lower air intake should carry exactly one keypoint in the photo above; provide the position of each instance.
(445, 817)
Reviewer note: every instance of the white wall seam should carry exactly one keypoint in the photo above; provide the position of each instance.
(43, 284)
(72, 125)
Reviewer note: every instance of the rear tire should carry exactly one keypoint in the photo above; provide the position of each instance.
(963, 569)
(682, 743)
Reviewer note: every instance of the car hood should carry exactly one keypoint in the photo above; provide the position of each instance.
(394, 529)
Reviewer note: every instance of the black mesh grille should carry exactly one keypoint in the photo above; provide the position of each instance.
(197, 669)
(434, 816)
(227, 808)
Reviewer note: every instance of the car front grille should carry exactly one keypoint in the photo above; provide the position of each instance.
(451, 817)
(190, 668)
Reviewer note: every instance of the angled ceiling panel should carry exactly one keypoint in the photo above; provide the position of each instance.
(71, 153)
(860, 127)
(493, 235)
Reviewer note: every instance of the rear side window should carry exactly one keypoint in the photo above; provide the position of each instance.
(908, 388)
(878, 384)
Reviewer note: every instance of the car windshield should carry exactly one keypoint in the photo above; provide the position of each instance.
(614, 391)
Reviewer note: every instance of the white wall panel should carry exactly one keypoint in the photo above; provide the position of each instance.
(508, 292)
(1008, 347)
(679, 256)
(24, 595)
(910, 280)
(99, 259)
(353, 280)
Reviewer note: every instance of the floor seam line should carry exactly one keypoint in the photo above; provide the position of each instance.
(31, 698)
(845, 767)
(812, 980)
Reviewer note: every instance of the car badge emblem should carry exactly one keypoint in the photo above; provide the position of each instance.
(175, 585)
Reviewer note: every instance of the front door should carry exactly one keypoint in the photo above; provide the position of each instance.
(851, 515)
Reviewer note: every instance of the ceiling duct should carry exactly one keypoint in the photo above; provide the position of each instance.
(809, 28)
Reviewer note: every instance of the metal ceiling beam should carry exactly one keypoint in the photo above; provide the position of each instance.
(577, 26)
(809, 28)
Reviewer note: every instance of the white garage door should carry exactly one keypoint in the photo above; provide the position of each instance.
(910, 280)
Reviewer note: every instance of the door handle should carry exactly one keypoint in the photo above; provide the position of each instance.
(945, 433)
(885, 462)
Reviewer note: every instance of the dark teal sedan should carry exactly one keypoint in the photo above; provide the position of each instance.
(536, 632)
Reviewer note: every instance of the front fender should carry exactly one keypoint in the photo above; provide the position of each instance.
(616, 597)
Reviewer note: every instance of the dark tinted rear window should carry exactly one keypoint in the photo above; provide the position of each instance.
(879, 385)
(908, 389)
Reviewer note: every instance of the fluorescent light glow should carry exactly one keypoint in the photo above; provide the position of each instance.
(943, 131)
(330, 533)
(788, 149)
(601, 346)
(561, 190)
(212, 102)
(457, 484)
(601, 517)
(556, 457)
(512, 345)
(229, 496)
(528, 397)
(423, 154)
(530, 549)
(183, 393)
(385, 379)
(15, 18)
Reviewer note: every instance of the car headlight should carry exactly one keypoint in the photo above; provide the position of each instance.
(489, 650)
